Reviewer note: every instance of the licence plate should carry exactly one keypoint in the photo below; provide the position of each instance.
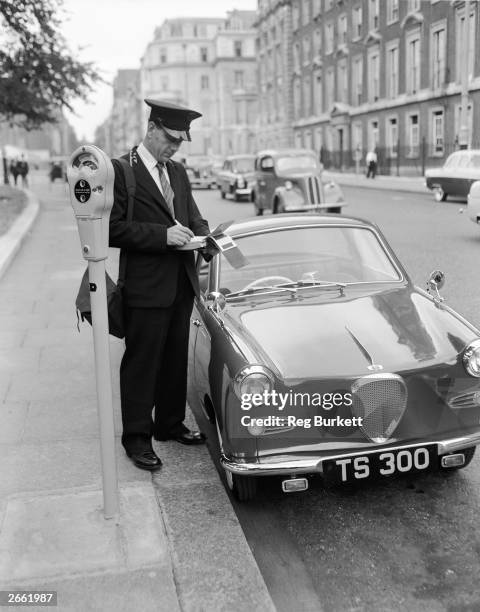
(382, 464)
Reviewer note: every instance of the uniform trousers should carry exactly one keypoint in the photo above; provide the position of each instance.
(153, 372)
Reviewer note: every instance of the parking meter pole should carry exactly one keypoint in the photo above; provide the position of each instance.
(91, 177)
(98, 302)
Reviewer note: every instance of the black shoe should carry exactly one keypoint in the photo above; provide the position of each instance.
(185, 437)
(145, 459)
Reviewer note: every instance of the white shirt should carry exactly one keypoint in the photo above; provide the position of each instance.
(151, 165)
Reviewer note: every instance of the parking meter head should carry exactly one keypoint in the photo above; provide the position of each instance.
(90, 177)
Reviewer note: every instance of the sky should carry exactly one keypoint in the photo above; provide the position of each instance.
(114, 34)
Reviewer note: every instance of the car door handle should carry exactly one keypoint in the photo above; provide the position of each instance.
(197, 322)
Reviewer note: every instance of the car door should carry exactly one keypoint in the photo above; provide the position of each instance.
(200, 341)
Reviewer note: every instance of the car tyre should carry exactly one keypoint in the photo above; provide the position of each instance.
(439, 195)
(469, 454)
(222, 193)
(244, 488)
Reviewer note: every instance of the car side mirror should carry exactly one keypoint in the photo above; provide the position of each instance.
(434, 283)
(216, 301)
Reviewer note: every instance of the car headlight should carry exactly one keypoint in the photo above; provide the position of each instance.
(471, 358)
(288, 185)
(240, 182)
(253, 379)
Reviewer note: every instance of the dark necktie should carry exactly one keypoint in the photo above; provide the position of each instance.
(166, 188)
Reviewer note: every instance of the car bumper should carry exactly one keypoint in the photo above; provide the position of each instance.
(276, 465)
(243, 192)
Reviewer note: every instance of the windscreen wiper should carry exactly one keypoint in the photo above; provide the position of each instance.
(261, 288)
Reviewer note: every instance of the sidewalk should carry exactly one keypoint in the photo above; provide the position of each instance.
(177, 544)
(413, 184)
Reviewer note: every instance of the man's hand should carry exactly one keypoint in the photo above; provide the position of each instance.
(178, 235)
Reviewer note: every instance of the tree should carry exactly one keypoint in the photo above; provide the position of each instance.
(38, 74)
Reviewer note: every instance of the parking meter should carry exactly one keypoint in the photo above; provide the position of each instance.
(90, 177)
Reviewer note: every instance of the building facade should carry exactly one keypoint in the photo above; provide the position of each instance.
(275, 71)
(386, 75)
(126, 115)
(235, 69)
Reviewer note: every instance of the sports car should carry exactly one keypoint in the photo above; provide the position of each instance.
(320, 357)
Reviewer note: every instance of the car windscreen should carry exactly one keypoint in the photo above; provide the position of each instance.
(292, 163)
(323, 254)
(244, 165)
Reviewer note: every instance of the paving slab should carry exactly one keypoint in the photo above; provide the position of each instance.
(59, 535)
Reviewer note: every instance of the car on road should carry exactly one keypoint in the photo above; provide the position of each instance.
(456, 176)
(473, 202)
(200, 171)
(320, 357)
(237, 176)
(292, 180)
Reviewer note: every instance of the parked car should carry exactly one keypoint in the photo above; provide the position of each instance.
(292, 180)
(324, 309)
(237, 176)
(456, 176)
(200, 171)
(473, 202)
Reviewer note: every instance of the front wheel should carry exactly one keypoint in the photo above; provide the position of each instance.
(222, 194)
(439, 195)
(244, 488)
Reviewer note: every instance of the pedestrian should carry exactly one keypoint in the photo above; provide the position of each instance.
(160, 285)
(13, 170)
(371, 161)
(22, 170)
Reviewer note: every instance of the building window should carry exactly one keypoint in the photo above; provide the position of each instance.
(392, 136)
(413, 62)
(413, 136)
(295, 17)
(357, 22)
(373, 8)
(306, 50)
(342, 80)
(176, 30)
(357, 80)
(203, 54)
(438, 132)
(305, 13)
(297, 99)
(373, 136)
(413, 6)
(330, 88)
(238, 76)
(237, 48)
(392, 71)
(164, 83)
(392, 11)
(357, 139)
(460, 43)
(438, 56)
(328, 4)
(204, 82)
(342, 30)
(329, 37)
(307, 97)
(374, 75)
(458, 121)
(317, 93)
(317, 43)
(296, 57)
(163, 55)
(317, 7)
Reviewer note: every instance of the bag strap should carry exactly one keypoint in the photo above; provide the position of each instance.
(130, 184)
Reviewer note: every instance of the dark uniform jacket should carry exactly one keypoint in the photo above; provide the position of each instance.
(152, 266)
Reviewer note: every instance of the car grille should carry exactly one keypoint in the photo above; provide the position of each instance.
(380, 400)
(313, 190)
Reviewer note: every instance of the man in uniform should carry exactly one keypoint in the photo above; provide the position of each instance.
(160, 284)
